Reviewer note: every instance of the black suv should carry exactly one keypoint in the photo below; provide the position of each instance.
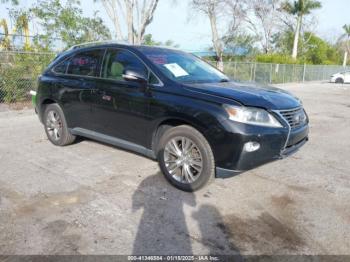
(170, 106)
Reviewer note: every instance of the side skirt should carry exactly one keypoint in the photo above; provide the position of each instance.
(113, 141)
(226, 173)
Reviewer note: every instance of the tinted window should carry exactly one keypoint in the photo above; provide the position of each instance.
(116, 61)
(153, 80)
(183, 67)
(62, 67)
(85, 63)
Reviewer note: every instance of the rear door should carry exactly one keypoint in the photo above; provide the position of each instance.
(76, 84)
(120, 108)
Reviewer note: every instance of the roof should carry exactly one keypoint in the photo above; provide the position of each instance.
(96, 43)
(106, 44)
(119, 43)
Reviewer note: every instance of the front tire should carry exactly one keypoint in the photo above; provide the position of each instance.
(56, 126)
(339, 80)
(185, 158)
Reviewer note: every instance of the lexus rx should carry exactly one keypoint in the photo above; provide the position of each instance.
(170, 106)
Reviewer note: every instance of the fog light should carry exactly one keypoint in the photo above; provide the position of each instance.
(251, 146)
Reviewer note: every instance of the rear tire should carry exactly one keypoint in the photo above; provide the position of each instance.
(339, 80)
(56, 126)
(185, 158)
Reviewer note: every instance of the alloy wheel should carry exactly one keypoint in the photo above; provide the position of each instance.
(183, 159)
(54, 125)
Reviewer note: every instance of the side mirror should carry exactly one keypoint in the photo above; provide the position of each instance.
(135, 76)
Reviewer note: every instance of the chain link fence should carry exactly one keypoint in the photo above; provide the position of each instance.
(280, 73)
(19, 72)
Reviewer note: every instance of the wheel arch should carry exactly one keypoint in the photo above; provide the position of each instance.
(43, 104)
(170, 122)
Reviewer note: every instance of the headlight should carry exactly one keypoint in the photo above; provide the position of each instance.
(251, 115)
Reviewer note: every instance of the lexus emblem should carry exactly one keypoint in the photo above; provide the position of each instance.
(300, 117)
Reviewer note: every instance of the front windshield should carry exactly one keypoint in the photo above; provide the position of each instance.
(184, 68)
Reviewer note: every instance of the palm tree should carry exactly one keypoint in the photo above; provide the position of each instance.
(5, 42)
(300, 8)
(22, 25)
(346, 36)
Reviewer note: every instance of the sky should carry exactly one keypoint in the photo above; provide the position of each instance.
(192, 31)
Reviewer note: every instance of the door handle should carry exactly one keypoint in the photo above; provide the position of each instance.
(103, 94)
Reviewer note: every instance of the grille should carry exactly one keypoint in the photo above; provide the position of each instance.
(295, 117)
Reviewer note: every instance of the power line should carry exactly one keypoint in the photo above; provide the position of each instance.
(31, 36)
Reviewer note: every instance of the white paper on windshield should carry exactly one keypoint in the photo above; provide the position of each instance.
(176, 70)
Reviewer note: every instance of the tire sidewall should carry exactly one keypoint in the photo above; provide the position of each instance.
(204, 148)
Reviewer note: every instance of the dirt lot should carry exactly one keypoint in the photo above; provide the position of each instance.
(90, 198)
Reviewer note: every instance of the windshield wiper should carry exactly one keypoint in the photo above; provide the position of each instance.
(224, 80)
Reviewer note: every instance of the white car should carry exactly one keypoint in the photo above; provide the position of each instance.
(343, 77)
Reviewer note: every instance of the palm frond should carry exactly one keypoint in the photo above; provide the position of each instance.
(300, 7)
(310, 5)
(290, 8)
(347, 29)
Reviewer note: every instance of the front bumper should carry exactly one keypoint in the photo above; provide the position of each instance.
(293, 149)
(274, 144)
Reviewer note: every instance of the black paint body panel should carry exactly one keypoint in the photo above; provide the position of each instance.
(131, 112)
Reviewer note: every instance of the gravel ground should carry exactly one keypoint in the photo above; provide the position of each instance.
(90, 198)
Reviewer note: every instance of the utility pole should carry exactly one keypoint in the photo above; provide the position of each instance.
(345, 58)
(304, 72)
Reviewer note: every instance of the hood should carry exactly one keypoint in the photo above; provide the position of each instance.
(249, 94)
(337, 74)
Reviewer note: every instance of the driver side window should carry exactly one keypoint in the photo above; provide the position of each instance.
(117, 61)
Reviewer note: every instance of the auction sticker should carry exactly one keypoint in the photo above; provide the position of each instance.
(177, 70)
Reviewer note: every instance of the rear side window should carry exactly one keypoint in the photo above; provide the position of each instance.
(117, 61)
(85, 63)
(61, 68)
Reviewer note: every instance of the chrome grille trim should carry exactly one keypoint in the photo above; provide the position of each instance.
(289, 116)
(278, 112)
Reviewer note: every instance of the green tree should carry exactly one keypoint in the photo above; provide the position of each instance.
(240, 44)
(67, 23)
(13, 2)
(317, 51)
(21, 20)
(313, 50)
(299, 8)
(283, 41)
(5, 40)
(148, 40)
(346, 32)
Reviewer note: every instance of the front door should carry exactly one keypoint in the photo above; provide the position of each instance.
(120, 108)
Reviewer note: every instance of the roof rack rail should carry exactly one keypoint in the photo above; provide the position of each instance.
(87, 44)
